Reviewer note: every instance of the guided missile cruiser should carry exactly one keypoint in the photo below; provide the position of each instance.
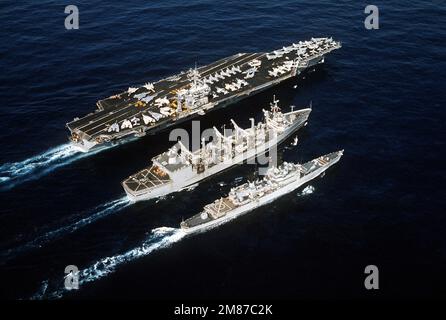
(179, 168)
(155, 106)
(277, 182)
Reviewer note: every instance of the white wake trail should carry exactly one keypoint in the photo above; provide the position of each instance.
(13, 174)
(306, 191)
(159, 238)
(91, 216)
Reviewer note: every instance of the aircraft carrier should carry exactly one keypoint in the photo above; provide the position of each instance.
(277, 182)
(156, 106)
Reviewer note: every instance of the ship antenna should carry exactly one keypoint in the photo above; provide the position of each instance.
(195, 74)
(274, 107)
(311, 104)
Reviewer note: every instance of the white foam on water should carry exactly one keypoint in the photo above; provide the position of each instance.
(159, 238)
(306, 191)
(292, 144)
(41, 292)
(295, 141)
(162, 198)
(91, 216)
(192, 187)
(13, 174)
(14, 171)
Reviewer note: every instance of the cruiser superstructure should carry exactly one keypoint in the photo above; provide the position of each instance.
(242, 199)
(179, 168)
(155, 106)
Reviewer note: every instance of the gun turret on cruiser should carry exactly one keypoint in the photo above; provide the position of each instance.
(156, 106)
(244, 198)
(179, 168)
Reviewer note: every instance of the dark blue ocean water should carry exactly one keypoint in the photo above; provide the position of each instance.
(381, 98)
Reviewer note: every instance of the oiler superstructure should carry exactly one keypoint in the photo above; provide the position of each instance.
(179, 168)
(156, 106)
(277, 182)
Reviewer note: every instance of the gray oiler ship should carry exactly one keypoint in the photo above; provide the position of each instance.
(156, 106)
(179, 168)
(242, 199)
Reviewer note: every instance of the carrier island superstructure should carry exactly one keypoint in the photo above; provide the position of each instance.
(277, 182)
(156, 106)
(179, 168)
